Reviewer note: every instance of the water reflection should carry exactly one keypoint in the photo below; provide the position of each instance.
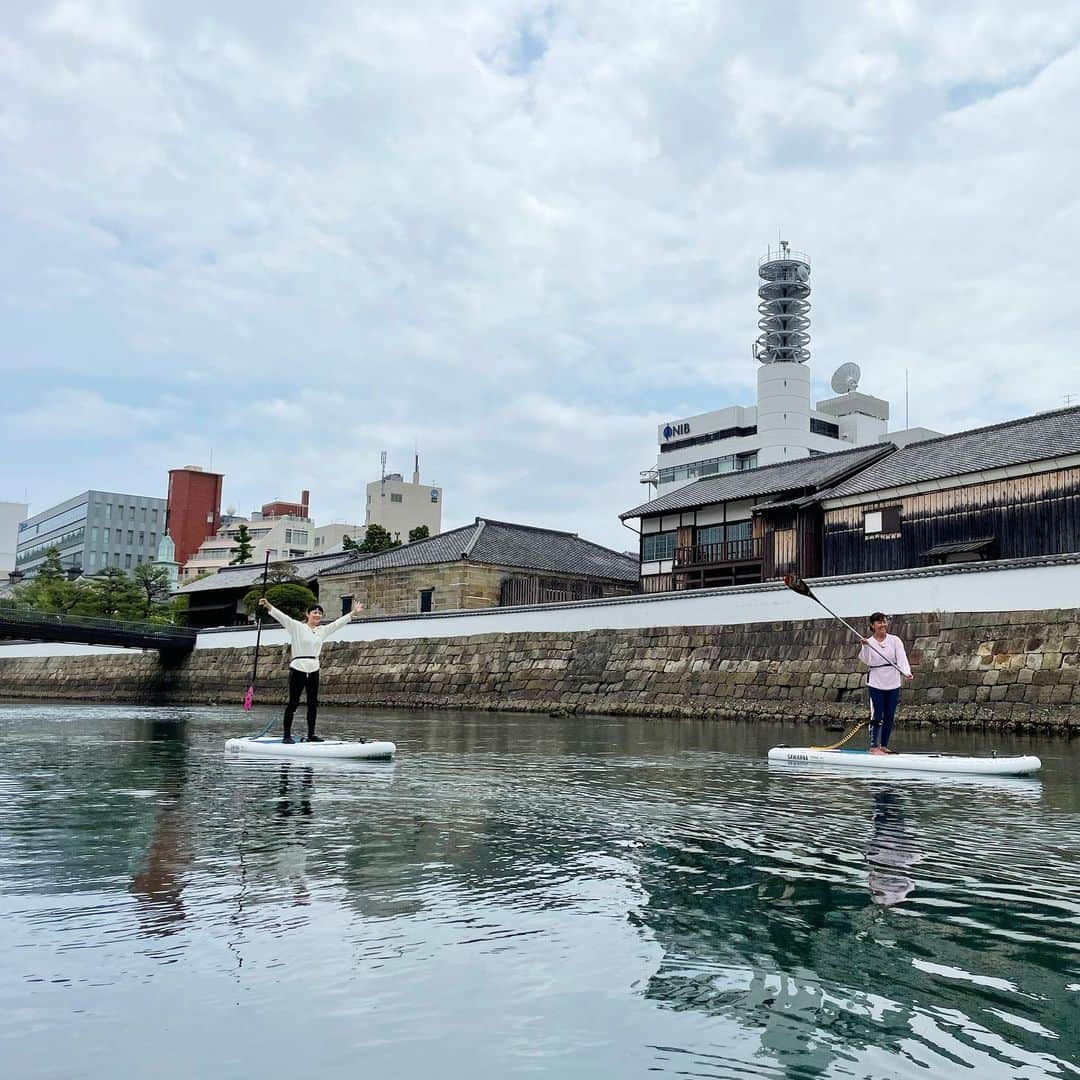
(739, 920)
(891, 850)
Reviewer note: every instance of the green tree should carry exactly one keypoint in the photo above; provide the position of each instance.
(152, 583)
(378, 539)
(421, 532)
(243, 545)
(281, 573)
(115, 595)
(291, 597)
(349, 544)
(50, 590)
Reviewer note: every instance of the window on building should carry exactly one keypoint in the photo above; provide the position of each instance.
(116, 558)
(142, 539)
(823, 427)
(434, 496)
(105, 535)
(153, 541)
(131, 536)
(108, 511)
(153, 515)
(710, 534)
(882, 522)
(395, 498)
(127, 561)
(346, 605)
(657, 546)
(131, 513)
(94, 535)
(426, 600)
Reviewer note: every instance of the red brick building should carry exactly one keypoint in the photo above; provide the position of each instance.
(193, 510)
(277, 508)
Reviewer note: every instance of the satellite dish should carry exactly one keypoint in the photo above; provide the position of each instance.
(845, 378)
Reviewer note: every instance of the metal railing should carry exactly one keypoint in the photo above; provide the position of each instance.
(93, 630)
(749, 549)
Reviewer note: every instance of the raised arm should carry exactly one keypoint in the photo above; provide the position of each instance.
(345, 619)
(277, 616)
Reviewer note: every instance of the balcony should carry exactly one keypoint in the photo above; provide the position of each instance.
(731, 562)
(728, 551)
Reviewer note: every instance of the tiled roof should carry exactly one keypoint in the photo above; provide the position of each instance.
(250, 574)
(1017, 442)
(501, 543)
(788, 476)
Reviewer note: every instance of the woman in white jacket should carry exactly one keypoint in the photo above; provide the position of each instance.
(306, 641)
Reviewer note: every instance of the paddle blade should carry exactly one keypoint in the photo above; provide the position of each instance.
(796, 584)
(249, 697)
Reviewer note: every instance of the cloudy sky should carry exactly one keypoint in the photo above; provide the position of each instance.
(518, 235)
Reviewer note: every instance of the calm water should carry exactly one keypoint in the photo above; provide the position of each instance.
(524, 896)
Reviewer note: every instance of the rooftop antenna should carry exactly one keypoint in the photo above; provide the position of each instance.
(845, 378)
(382, 475)
(416, 464)
(907, 410)
(1069, 399)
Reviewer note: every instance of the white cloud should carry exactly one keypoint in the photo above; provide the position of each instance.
(78, 414)
(517, 232)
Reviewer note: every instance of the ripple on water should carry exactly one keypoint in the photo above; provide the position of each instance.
(558, 897)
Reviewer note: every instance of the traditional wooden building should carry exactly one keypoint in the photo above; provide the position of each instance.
(485, 564)
(217, 599)
(1006, 491)
(742, 527)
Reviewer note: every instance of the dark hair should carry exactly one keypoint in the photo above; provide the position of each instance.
(315, 607)
(879, 616)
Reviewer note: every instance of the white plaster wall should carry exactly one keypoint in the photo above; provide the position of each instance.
(1021, 588)
(49, 648)
(1026, 585)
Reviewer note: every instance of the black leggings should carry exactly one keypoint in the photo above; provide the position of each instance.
(299, 682)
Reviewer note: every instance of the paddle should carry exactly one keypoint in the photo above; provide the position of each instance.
(796, 584)
(249, 697)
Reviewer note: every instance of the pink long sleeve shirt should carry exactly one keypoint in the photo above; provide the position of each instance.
(877, 656)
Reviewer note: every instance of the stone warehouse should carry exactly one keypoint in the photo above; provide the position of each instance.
(485, 564)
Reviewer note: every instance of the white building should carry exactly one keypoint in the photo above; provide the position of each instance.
(11, 515)
(400, 507)
(782, 426)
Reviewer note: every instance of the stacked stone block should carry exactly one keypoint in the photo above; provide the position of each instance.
(1018, 669)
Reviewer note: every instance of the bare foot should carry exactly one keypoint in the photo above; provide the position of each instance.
(878, 750)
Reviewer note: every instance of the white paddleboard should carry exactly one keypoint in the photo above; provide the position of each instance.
(939, 763)
(328, 748)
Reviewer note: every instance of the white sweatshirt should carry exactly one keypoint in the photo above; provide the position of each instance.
(880, 656)
(307, 643)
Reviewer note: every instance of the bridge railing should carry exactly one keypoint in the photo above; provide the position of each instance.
(110, 630)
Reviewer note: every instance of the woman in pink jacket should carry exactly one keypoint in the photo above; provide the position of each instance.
(884, 654)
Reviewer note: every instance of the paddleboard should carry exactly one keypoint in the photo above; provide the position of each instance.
(939, 763)
(328, 748)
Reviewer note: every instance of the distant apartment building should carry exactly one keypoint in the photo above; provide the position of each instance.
(399, 506)
(93, 531)
(11, 514)
(286, 536)
(194, 508)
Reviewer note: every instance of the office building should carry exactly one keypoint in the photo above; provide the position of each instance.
(93, 531)
(399, 506)
(11, 514)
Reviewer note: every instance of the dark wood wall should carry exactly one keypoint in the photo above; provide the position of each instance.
(1027, 515)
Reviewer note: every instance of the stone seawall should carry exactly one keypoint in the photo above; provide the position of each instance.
(1014, 669)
